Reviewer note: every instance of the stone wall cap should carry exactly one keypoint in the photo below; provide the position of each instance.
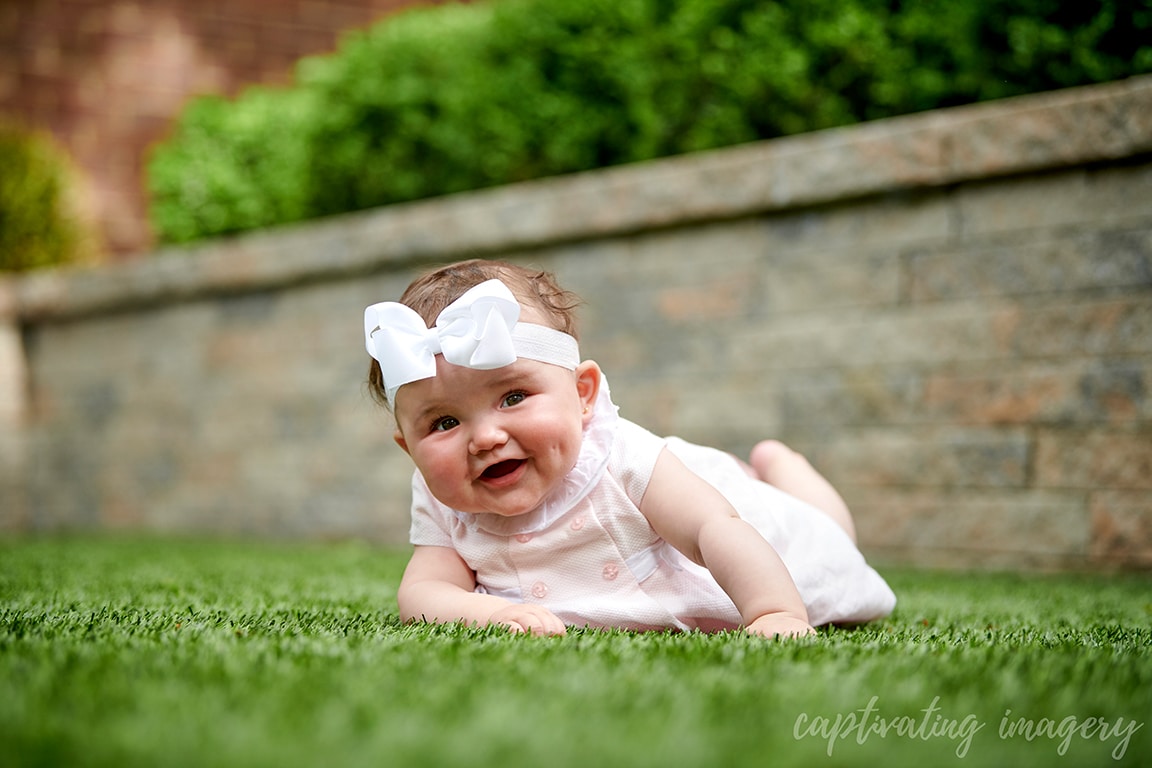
(1020, 135)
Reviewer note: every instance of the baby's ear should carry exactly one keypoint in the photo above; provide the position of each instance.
(587, 386)
(398, 436)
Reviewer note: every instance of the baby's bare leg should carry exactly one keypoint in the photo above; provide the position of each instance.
(780, 466)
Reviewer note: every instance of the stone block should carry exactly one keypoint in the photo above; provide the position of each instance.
(1121, 194)
(1026, 204)
(13, 378)
(890, 222)
(1073, 327)
(735, 414)
(868, 336)
(1018, 265)
(1122, 528)
(1006, 528)
(1077, 197)
(1119, 459)
(1059, 392)
(829, 279)
(14, 513)
(824, 400)
(946, 457)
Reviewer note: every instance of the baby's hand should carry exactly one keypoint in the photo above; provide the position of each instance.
(526, 617)
(780, 625)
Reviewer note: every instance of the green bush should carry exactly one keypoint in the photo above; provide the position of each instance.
(38, 225)
(457, 97)
(233, 166)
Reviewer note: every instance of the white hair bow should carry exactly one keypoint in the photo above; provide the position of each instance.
(479, 330)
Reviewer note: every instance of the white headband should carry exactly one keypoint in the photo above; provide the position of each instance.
(479, 330)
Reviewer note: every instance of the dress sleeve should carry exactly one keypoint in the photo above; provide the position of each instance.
(634, 455)
(430, 518)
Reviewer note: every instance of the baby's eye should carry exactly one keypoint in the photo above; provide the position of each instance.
(514, 398)
(445, 423)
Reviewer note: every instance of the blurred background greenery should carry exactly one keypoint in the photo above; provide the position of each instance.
(459, 97)
(445, 98)
(40, 224)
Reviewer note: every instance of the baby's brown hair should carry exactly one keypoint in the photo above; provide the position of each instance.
(430, 293)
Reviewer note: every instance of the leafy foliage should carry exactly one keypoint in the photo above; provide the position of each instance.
(234, 166)
(38, 224)
(439, 100)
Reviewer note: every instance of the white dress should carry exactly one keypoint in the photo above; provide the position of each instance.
(590, 556)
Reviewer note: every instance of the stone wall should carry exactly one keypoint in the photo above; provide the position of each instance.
(950, 313)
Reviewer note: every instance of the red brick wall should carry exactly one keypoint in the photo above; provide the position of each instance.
(106, 78)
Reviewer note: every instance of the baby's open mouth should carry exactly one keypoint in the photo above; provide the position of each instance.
(502, 468)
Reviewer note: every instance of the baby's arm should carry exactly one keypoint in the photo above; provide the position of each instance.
(438, 586)
(695, 518)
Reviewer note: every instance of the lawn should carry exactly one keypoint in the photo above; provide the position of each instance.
(162, 652)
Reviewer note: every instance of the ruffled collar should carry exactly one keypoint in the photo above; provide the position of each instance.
(592, 462)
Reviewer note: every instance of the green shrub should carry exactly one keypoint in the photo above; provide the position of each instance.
(38, 222)
(457, 97)
(954, 53)
(233, 166)
(402, 102)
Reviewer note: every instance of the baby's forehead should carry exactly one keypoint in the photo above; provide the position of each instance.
(453, 383)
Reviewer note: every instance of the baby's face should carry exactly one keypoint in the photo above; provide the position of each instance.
(494, 441)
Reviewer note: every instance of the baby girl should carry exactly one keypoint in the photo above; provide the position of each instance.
(536, 507)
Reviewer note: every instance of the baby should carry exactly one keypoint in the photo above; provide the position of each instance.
(536, 507)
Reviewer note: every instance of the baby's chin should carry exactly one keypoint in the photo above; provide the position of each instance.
(513, 510)
(506, 511)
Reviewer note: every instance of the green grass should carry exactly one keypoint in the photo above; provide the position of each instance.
(143, 652)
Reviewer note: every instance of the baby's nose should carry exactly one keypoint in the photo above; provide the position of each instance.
(486, 435)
